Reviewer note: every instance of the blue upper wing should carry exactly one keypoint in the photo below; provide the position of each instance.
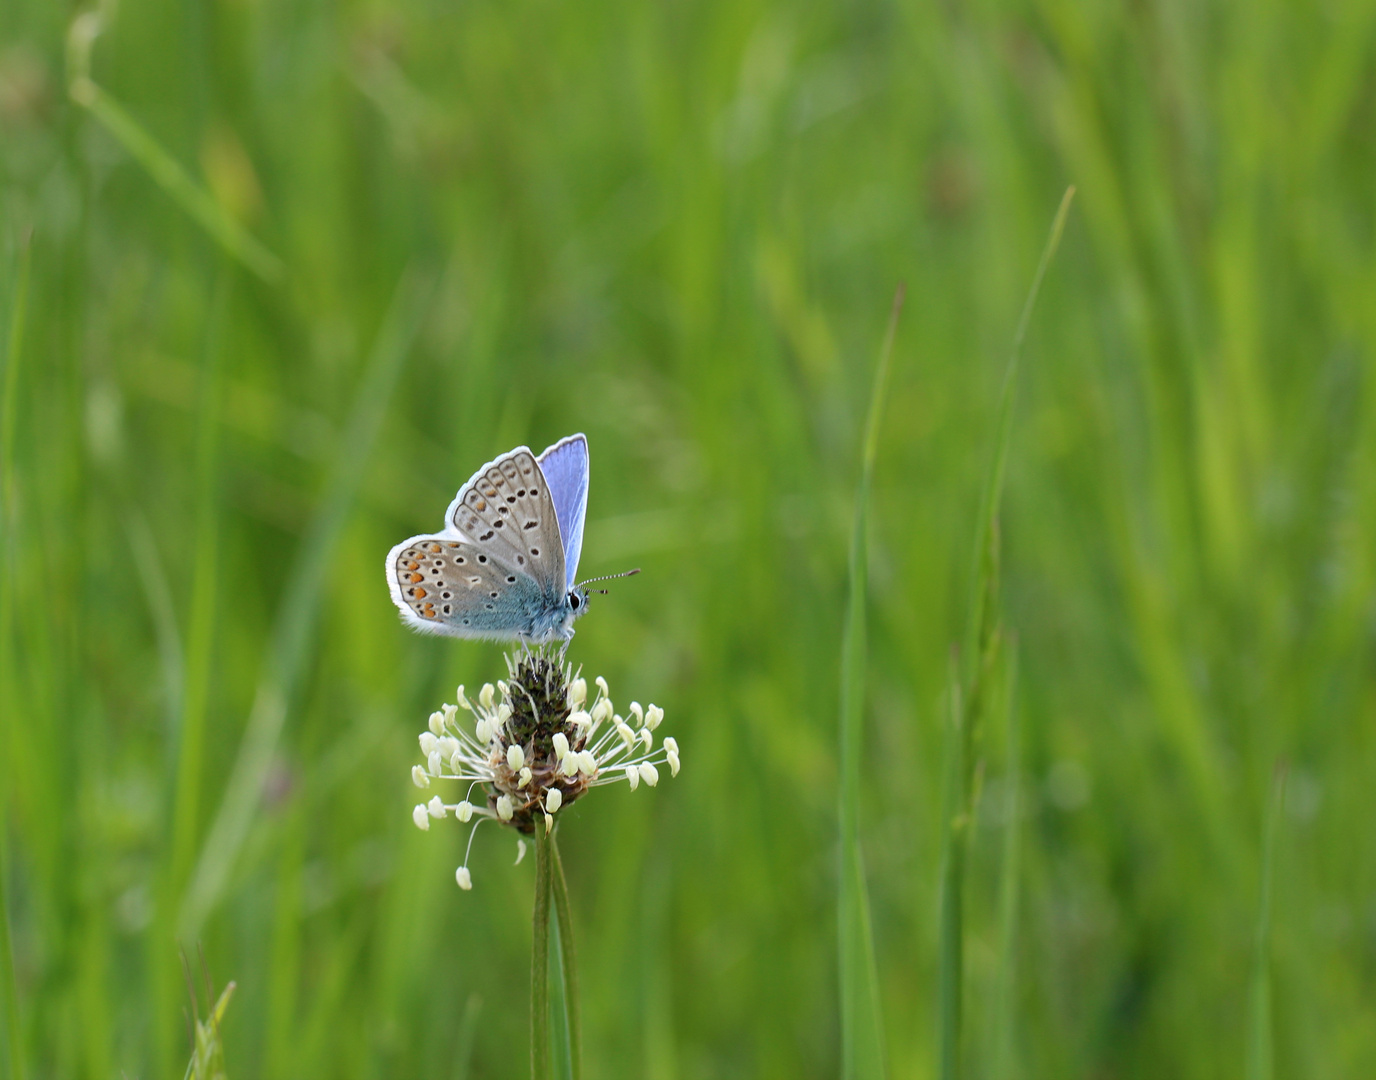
(565, 465)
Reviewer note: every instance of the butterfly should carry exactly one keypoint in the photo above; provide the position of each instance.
(505, 564)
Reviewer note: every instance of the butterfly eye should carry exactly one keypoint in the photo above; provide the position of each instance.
(575, 601)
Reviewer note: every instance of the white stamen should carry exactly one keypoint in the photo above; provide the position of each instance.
(594, 745)
(578, 693)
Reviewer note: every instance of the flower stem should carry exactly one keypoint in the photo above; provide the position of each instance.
(565, 915)
(539, 963)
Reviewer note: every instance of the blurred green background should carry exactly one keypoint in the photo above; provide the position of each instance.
(429, 231)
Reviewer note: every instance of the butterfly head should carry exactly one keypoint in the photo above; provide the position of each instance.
(580, 594)
(578, 600)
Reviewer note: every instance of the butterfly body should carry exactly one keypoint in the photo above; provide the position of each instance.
(503, 567)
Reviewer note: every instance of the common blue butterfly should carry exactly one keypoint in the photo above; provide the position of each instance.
(504, 566)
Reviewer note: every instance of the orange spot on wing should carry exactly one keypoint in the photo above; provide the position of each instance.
(416, 579)
(419, 594)
(428, 610)
(436, 548)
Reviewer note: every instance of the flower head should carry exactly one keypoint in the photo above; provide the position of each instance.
(535, 746)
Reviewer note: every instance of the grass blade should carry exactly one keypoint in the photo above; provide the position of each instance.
(463, 1042)
(236, 241)
(862, 1032)
(195, 681)
(1260, 1065)
(969, 693)
(8, 415)
(951, 940)
(208, 1051)
(300, 608)
(1001, 1028)
(164, 169)
(980, 625)
(187, 665)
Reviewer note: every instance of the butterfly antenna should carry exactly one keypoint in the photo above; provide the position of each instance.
(606, 577)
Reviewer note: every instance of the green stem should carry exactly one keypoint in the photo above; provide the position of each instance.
(539, 962)
(564, 914)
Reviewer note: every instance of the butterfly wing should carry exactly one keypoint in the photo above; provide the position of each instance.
(507, 511)
(446, 585)
(565, 467)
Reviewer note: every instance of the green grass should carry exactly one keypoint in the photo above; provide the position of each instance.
(1261, 1036)
(971, 691)
(678, 228)
(862, 1019)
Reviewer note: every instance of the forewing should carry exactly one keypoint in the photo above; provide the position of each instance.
(506, 512)
(444, 585)
(565, 466)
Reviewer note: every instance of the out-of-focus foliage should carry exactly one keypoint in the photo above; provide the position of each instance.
(678, 228)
